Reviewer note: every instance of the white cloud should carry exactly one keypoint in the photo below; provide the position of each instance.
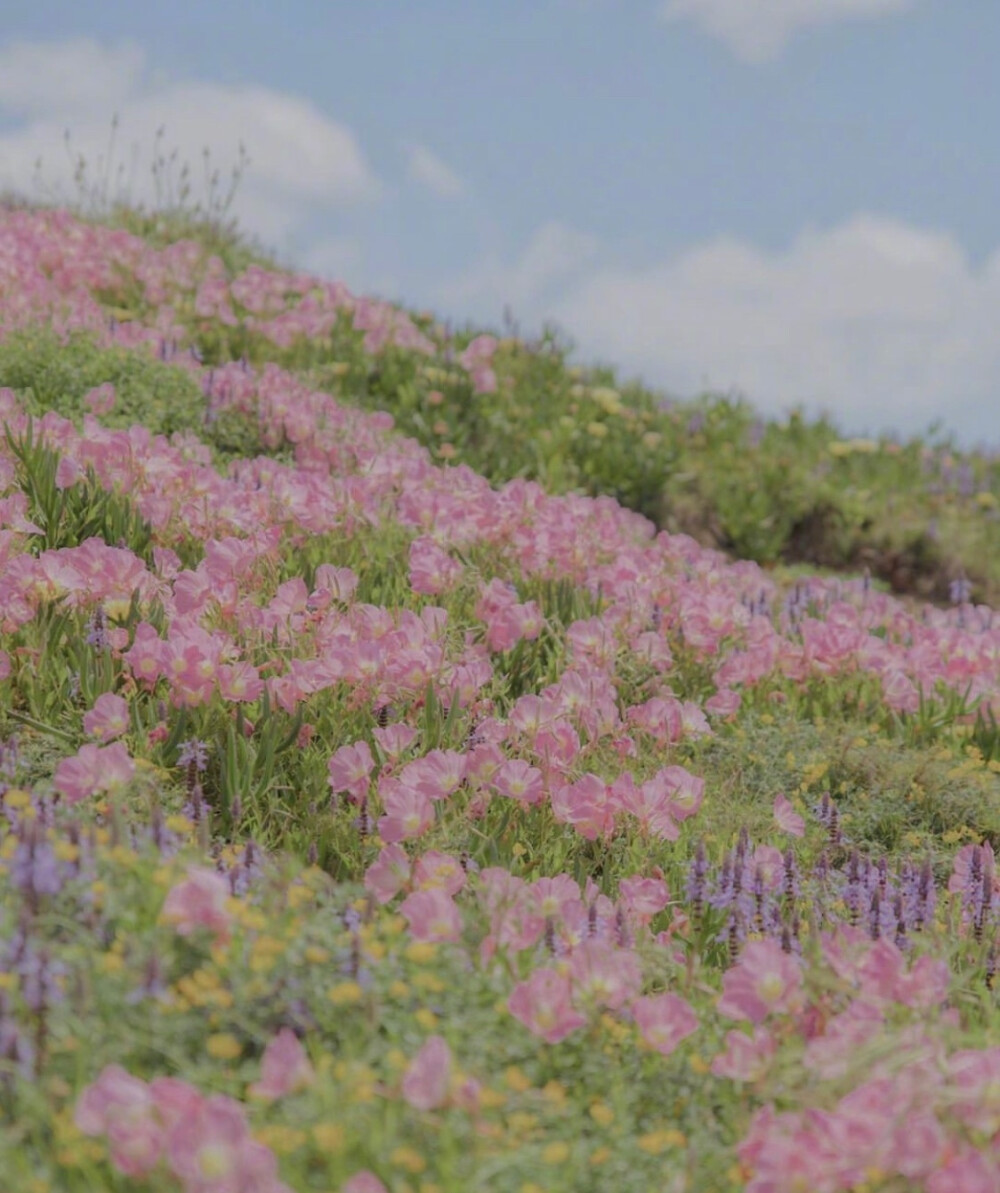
(301, 161)
(756, 30)
(884, 325)
(554, 255)
(40, 77)
(430, 171)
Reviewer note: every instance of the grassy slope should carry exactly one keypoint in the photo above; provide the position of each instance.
(783, 494)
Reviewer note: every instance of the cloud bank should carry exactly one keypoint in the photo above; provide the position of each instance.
(758, 30)
(301, 161)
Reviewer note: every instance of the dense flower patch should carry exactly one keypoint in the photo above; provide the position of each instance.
(363, 822)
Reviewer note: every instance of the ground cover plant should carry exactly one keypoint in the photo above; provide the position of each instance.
(387, 805)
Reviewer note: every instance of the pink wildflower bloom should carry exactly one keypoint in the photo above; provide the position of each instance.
(339, 582)
(239, 682)
(515, 779)
(121, 1106)
(108, 718)
(974, 1096)
(439, 871)
(643, 897)
(604, 975)
(724, 703)
(284, 1067)
(971, 1171)
(584, 804)
(212, 1151)
(746, 1057)
(147, 656)
(394, 740)
(686, 791)
(363, 1182)
(788, 820)
(408, 813)
(432, 569)
(199, 902)
(765, 980)
(767, 861)
(388, 874)
(349, 769)
(426, 1081)
(437, 775)
(101, 400)
(174, 1099)
(543, 1005)
(664, 1020)
(830, 1055)
(649, 804)
(93, 768)
(432, 916)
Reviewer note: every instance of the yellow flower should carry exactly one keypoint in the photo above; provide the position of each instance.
(223, 1046)
(426, 1018)
(516, 1079)
(329, 1137)
(602, 1114)
(407, 1158)
(344, 993)
(280, 1139)
(420, 952)
(555, 1153)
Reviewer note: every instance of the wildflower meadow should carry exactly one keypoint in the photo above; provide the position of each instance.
(428, 766)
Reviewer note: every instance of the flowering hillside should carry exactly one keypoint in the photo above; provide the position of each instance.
(381, 812)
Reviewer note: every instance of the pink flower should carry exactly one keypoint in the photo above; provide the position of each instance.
(93, 768)
(437, 870)
(515, 779)
(764, 981)
(969, 1172)
(284, 1067)
(544, 1006)
(746, 1057)
(409, 813)
(788, 820)
(975, 1088)
(101, 400)
(724, 703)
(643, 897)
(363, 1182)
(199, 902)
(239, 682)
(432, 916)
(425, 1083)
(432, 569)
(121, 1106)
(349, 769)
(388, 874)
(604, 975)
(108, 718)
(211, 1150)
(584, 804)
(664, 1020)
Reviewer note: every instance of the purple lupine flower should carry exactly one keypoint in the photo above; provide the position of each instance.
(34, 869)
(959, 590)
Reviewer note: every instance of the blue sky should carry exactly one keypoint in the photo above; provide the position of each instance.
(796, 200)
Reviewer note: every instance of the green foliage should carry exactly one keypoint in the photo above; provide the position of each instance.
(49, 373)
(69, 515)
